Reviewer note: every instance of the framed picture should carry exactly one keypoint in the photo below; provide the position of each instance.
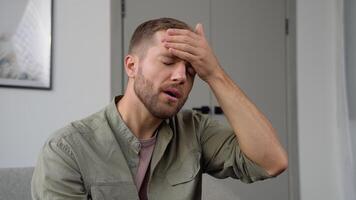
(26, 43)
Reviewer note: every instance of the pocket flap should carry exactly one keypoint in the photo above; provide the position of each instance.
(117, 190)
(186, 170)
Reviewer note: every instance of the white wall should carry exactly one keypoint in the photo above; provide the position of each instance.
(320, 148)
(81, 82)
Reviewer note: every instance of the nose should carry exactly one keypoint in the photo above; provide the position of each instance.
(179, 73)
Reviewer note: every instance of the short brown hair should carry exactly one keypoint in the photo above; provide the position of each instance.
(146, 30)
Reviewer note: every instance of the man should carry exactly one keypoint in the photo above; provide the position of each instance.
(141, 147)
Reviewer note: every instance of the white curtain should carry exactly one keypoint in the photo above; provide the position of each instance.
(347, 156)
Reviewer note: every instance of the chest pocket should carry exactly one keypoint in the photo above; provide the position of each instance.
(186, 170)
(113, 190)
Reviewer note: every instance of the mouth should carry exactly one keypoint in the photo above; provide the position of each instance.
(173, 93)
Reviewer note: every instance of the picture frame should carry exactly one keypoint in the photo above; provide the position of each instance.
(26, 44)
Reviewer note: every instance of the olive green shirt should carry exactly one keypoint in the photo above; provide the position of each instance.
(97, 158)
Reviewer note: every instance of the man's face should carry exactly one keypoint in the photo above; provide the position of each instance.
(163, 82)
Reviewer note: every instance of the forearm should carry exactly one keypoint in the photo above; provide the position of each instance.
(257, 138)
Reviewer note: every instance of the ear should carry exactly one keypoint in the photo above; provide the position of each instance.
(131, 65)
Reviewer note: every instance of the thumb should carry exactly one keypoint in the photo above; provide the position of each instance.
(199, 29)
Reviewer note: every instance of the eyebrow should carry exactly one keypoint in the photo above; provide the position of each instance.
(171, 56)
(167, 55)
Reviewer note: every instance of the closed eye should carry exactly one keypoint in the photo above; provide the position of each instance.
(168, 63)
(190, 70)
(168, 60)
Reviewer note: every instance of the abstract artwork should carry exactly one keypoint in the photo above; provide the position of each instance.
(26, 43)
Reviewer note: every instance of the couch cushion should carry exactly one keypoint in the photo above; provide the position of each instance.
(15, 183)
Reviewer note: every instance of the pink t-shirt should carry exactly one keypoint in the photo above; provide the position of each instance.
(145, 155)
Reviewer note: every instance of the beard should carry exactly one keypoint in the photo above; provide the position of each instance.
(150, 98)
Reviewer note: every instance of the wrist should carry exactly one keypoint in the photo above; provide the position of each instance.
(216, 76)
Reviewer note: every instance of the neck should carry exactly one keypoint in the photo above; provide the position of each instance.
(136, 116)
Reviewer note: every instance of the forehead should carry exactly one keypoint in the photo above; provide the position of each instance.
(157, 46)
(159, 35)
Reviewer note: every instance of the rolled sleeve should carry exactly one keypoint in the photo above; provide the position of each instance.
(222, 156)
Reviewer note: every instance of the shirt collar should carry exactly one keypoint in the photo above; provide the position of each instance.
(124, 135)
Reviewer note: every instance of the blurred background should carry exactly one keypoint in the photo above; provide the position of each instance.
(296, 59)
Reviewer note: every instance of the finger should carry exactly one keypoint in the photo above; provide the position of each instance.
(182, 32)
(182, 54)
(180, 39)
(181, 46)
(199, 29)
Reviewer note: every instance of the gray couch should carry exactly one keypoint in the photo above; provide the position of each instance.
(15, 183)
